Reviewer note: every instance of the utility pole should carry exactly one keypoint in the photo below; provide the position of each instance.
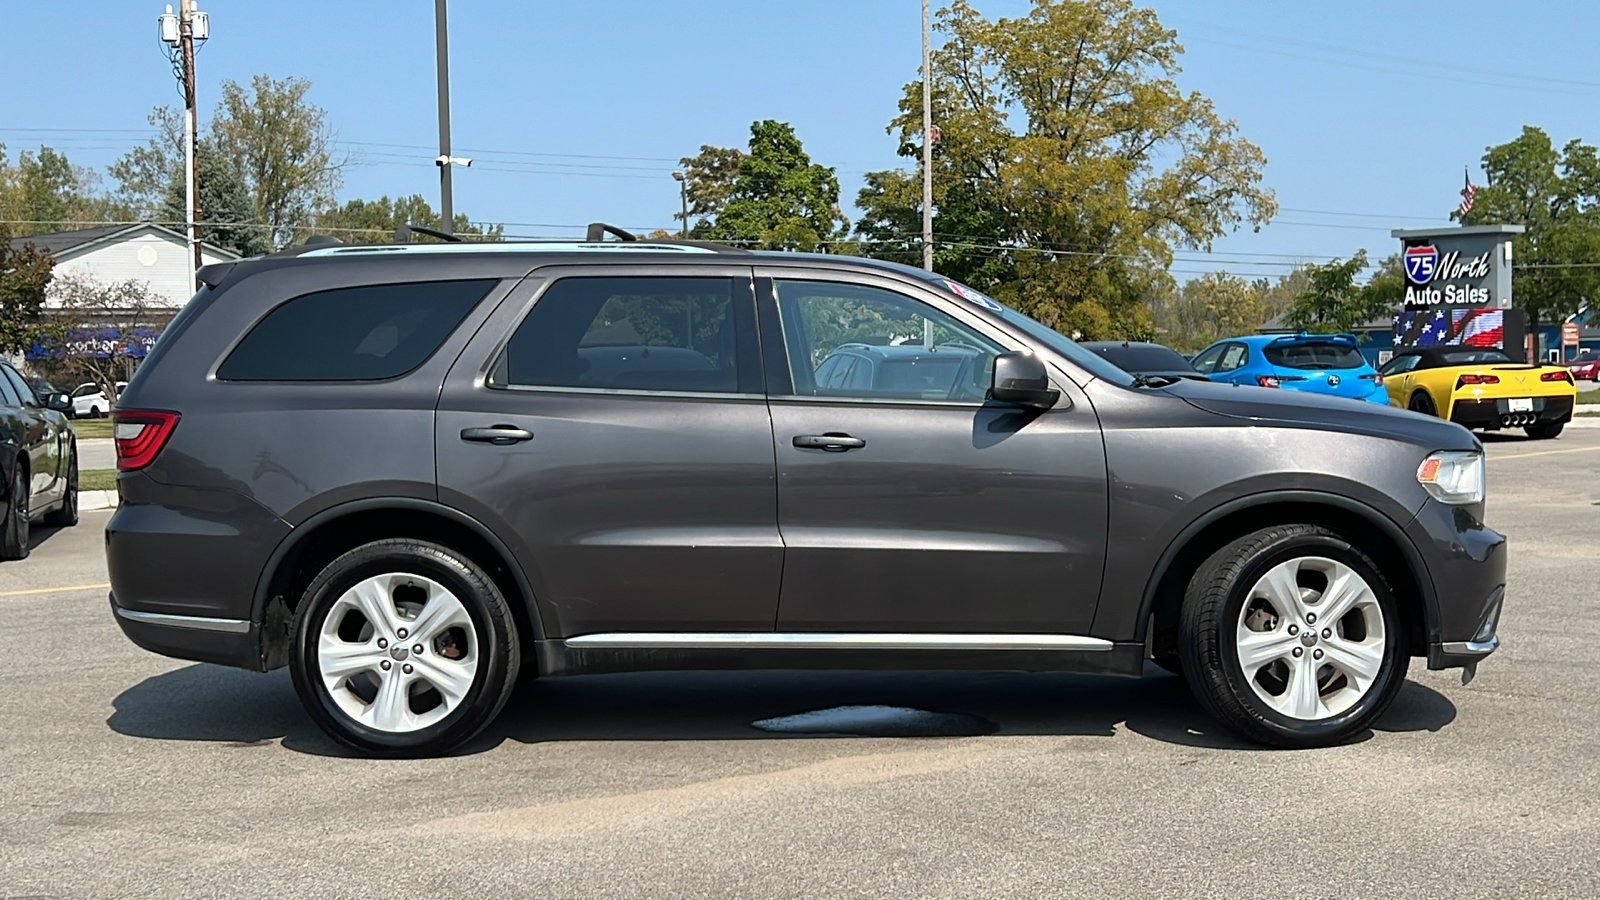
(446, 212)
(179, 32)
(927, 145)
(683, 195)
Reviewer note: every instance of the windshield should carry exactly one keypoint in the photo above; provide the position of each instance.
(1320, 355)
(1142, 357)
(1060, 343)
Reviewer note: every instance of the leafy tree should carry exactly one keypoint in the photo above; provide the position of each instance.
(1333, 302)
(24, 275)
(709, 176)
(780, 199)
(48, 193)
(145, 174)
(283, 146)
(374, 221)
(225, 205)
(102, 329)
(1556, 196)
(1069, 164)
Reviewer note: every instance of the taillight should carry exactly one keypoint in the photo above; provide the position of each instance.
(140, 434)
(1276, 380)
(1470, 378)
(1557, 376)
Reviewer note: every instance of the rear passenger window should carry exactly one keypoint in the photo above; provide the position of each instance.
(652, 334)
(353, 334)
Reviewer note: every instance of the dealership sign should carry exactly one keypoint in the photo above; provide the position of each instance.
(1457, 267)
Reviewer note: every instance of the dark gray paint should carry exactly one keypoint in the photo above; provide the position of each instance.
(43, 437)
(637, 511)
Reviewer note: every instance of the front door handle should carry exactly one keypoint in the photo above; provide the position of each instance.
(500, 435)
(833, 442)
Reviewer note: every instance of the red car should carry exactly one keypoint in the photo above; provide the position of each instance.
(1587, 365)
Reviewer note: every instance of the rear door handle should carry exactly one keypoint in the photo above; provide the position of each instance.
(501, 435)
(833, 442)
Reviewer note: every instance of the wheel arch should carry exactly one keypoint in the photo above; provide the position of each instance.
(1402, 564)
(321, 538)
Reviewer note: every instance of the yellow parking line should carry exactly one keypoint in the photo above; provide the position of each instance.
(1546, 452)
(54, 590)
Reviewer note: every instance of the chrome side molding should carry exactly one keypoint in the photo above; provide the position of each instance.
(196, 623)
(736, 640)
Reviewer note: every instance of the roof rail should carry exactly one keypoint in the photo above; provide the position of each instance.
(403, 232)
(598, 230)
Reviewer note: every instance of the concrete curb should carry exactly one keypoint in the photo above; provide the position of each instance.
(88, 500)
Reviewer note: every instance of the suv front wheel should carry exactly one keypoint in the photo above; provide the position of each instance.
(1292, 636)
(403, 648)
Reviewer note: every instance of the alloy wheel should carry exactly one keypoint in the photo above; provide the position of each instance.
(1311, 638)
(397, 652)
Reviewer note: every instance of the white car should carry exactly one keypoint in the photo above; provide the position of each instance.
(89, 400)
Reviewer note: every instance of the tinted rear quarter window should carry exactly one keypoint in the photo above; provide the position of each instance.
(1314, 356)
(353, 334)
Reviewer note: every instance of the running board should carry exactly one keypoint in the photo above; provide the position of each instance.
(655, 651)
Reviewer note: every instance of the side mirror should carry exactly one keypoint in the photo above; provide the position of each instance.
(57, 401)
(1021, 379)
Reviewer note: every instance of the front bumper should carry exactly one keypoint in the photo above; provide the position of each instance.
(1494, 414)
(1466, 561)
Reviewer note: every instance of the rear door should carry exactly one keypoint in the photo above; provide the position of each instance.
(907, 503)
(609, 424)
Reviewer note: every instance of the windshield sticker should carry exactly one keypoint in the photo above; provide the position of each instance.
(972, 296)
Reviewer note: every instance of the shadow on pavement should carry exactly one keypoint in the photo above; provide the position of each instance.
(38, 534)
(211, 703)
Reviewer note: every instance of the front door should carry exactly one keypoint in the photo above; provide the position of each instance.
(610, 426)
(907, 503)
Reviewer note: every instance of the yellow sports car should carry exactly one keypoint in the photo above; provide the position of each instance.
(1481, 388)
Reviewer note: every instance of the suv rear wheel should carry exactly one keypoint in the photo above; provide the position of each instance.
(1291, 636)
(403, 648)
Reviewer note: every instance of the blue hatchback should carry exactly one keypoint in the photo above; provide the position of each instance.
(1319, 363)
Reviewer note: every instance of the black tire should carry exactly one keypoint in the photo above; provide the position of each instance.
(95, 413)
(1543, 431)
(14, 532)
(493, 628)
(66, 515)
(1422, 403)
(1214, 604)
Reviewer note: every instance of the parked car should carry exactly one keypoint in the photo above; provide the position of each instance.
(1482, 388)
(1585, 366)
(38, 462)
(89, 400)
(1312, 363)
(1149, 360)
(579, 458)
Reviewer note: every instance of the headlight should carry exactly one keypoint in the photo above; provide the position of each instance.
(1453, 476)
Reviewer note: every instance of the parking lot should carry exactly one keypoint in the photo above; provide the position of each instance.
(130, 774)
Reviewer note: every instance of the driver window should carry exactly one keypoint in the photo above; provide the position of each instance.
(1206, 362)
(885, 345)
(1233, 356)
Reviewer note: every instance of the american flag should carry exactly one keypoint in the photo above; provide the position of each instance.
(1468, 194)
(1422, 328)
(1480, 327)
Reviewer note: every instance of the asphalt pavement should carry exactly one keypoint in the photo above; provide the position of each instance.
(127, 774)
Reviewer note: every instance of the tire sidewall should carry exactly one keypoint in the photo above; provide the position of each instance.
(496, 646)
(1390, 677)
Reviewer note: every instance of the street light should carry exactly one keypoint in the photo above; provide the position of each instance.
(683, 194)
(180, 31)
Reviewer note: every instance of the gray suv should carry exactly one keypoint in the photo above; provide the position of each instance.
(408, 472)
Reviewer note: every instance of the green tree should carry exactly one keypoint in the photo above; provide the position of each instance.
(24, 275)
(374, 221)
(45, 192)
(1333, 302)
(1069, 165)
(780, 199)
(708, 177)
(145, 174)
(1555, 195)
(226, 209)
(283, 146)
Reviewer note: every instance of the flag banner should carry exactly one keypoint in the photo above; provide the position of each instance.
(1450, 327)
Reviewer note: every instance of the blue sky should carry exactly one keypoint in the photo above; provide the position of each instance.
(574, 112)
